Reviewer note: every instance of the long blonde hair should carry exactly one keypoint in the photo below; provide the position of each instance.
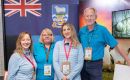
(19, 48)
(48, 31)
(73, 37)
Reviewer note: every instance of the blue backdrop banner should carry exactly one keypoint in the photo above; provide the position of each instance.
(33, 16)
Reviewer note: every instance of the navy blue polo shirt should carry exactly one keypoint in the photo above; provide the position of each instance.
(97, 39)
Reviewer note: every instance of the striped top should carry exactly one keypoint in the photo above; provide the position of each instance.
(19, 68)
(76, 61)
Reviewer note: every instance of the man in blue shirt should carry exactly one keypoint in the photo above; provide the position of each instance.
(94, 37)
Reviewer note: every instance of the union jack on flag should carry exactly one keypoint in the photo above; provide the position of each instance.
(22, 7)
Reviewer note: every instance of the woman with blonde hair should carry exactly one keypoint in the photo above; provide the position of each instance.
(68, 55)
(43, 52)
(22, 65)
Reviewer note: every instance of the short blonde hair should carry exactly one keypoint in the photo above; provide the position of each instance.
(19, 48)
(48, 31)
(90, 8)
(74, 38)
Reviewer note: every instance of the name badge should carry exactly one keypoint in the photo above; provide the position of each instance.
(88, 53)
(47, 70)
(34, 76)
(66, 68)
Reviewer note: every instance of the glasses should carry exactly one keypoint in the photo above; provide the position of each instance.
(46, 34)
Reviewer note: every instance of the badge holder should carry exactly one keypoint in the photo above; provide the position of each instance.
(47, 70)
(66, 68)
(34, 76)
(88, 53)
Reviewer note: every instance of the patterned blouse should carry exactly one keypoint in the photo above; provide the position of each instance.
(76, 60)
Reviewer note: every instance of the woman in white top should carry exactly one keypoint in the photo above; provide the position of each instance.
(68, 55)
(22, 65)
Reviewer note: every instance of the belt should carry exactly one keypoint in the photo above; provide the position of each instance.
(94, 60)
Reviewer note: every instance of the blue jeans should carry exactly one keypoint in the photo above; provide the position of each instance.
(92, 70)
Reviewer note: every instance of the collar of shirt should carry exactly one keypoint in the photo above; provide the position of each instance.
(52, 45)
(26, 52)
(95, 27)
(66, 43)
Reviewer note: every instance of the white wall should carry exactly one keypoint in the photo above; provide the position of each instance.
(1, 45)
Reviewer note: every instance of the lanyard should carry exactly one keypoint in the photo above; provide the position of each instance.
(31, 61)
(67, 54)
(90, 38)
(47, 53)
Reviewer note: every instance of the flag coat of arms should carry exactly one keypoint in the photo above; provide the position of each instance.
(59, 14)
